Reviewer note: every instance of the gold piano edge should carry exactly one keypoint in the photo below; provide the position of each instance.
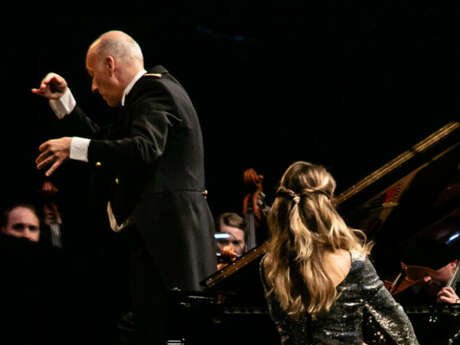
(368, 180)
(399, 160)
(235, 266)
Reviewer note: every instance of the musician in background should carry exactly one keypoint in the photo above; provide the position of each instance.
(37, 301)
(22, 221)
(429, 264)
(447, 294)
(230, 237)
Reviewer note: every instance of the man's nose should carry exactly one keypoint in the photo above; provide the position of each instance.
(25, 233)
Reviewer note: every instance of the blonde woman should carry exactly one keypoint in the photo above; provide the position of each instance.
(317, 277)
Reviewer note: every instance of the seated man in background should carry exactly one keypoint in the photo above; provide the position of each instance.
(230, 236)
(21, 221)
(429, 280)
(36, 282)
(429, 265)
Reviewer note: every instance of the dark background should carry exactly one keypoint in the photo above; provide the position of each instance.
(347, 84)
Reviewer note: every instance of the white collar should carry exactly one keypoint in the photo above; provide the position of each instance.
(131, 84)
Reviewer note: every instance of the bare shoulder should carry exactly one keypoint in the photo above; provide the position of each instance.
(338, 265)
(344, 258)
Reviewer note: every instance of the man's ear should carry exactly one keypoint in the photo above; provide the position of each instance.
(109, 64)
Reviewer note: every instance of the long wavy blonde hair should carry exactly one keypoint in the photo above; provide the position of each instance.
(304, 224)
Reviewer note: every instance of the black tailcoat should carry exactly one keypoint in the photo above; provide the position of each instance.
(151, 164)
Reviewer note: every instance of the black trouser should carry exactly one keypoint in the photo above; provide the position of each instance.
(147, 324)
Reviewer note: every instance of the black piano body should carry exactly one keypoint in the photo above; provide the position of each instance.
(417, 191)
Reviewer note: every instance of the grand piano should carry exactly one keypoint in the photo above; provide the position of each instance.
(417, 191)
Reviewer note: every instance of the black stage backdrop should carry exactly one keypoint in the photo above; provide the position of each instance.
(346, 84)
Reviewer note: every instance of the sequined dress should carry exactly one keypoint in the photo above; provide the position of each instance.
(361, 290)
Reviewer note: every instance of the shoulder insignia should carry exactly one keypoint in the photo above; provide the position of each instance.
(157, 75)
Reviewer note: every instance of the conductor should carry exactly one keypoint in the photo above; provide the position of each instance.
(151, 158)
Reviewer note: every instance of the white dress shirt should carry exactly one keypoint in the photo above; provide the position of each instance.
(66, 104)
(79, 146)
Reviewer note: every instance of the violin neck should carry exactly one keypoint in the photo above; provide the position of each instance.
(455, 277)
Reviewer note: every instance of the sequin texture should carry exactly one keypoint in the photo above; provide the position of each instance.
(360, 293)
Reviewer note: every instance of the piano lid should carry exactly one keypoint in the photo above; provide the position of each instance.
(417, 191)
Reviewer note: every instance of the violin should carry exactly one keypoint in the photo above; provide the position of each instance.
(227, 256)
(409, 276)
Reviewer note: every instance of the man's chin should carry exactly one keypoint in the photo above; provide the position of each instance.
(112, 104)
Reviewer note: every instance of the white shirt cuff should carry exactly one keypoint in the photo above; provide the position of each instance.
(64, 105)
(79, 149)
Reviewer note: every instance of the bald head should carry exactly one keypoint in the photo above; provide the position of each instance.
(112, 61)
(119, 45)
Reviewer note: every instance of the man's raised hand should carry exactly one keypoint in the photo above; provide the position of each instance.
(52, 86)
